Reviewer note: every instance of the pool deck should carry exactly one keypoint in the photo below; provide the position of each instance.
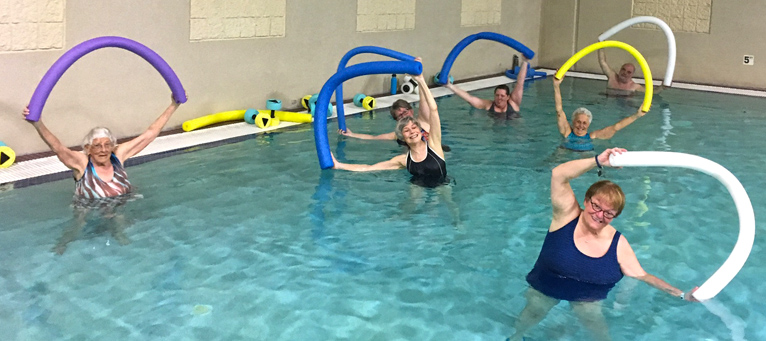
(46, 169)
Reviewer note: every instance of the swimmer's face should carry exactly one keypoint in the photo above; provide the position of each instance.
(626, 73)
(580, 124)
(501, 96)
(411, 133)
(402, 113)
(100, 149)
(599, 211)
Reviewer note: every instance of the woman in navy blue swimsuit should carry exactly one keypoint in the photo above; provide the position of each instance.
(583, 256)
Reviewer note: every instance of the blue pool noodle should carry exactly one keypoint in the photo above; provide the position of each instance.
(66, 60)
(444, 73)
(342, 65)
(370, 68)
(532, 74)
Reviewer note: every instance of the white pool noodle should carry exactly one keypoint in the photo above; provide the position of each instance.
(668, 34)
(742, 248)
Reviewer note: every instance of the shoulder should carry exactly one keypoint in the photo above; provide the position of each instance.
(401, 158)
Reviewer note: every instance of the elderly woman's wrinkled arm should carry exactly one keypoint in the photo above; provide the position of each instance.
(608, 132)
(70, 158)
(561, 116)
(130, 148)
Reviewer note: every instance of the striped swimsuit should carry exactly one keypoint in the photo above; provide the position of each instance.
(90, 186)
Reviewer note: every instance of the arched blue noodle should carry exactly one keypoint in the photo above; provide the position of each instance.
(58, 68)
(444, 73)
(369, 68)
(342, 65)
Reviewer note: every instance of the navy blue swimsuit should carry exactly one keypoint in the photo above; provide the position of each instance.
(565, 273)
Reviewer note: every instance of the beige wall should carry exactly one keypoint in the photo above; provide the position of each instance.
(736, 29)
(117, 89)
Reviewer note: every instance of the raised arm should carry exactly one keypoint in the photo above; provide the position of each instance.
(609, 131)
(563, 200)
(518, 90)
(435, 134)
(561, 116)
(476, 102)
(424, 112)
(130, 148)
(349, 133)
(632, 268)
(73, 160)
(397, 162)
(608, 72)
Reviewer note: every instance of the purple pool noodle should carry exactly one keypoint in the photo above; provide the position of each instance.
(53, 75)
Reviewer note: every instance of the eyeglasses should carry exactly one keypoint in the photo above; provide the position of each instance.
(106, 146)
(597, 208)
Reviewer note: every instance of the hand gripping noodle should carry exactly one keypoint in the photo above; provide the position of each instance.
(668, 35)
(611, 43)
(742, 248)
(53, 75)
(323, 100)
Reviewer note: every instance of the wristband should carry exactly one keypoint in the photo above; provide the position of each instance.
(683, 294)
(598, 165)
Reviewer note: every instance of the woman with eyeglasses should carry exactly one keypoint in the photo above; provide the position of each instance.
(98, 170)
(583, 255)
(101, 183)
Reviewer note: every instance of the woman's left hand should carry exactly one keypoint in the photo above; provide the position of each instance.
(603, 158)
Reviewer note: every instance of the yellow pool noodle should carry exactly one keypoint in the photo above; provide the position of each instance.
(613, 43)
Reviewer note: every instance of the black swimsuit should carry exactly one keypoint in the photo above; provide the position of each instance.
(433, 167)
(509, 113)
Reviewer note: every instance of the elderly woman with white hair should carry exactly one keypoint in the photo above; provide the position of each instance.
(576, 134)
(98, 170)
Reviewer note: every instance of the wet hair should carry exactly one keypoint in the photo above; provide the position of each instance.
(610, 192)
(98, 132)
(400, 103)
(405, 121)
(582, 111)
(503, 87)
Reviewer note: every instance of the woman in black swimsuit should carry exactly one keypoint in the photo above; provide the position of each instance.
(425, 158)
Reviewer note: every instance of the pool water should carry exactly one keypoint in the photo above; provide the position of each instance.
(251, 241)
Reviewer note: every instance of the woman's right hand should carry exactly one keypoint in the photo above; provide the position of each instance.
(557, 82)
(603, 158)
(346, 132)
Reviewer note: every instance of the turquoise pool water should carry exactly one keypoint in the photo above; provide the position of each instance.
(250, 240)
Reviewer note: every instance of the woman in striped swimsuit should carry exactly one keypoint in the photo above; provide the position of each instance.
(98, 170)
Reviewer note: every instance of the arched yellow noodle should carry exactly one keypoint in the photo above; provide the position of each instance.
(613, 43)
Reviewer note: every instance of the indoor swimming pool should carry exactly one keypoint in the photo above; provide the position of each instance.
(250, 240)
